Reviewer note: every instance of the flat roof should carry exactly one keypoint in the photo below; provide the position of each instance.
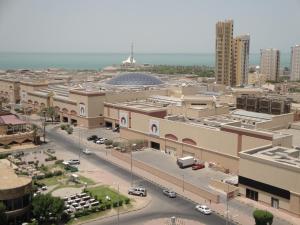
(9, 179)
(278, 154)
(141, 105)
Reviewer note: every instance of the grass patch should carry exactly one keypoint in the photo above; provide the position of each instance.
(52, 180)
(102, 191)
(86, 180)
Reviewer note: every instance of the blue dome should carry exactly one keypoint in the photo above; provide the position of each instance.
(135, 79)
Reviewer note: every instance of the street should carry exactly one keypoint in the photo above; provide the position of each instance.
(160, 207)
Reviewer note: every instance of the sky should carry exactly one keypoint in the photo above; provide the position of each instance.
(155, 26)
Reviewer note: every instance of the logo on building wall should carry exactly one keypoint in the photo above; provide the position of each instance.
(154, 127)
(82, 110)
(123, 119)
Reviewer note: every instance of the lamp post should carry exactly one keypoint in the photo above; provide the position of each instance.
(132, 146)
(44, 125)
(118, 210)
(182, 182)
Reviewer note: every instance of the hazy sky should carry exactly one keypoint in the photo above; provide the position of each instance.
(159, 26)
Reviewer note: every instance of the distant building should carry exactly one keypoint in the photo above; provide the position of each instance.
(269, 63)
(130, 61)
(269, 105)
(295, 63)
(224, 40)
(241, 45)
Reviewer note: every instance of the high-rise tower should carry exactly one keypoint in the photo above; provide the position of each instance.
(269, 63)
(295, 63)
(223, 63)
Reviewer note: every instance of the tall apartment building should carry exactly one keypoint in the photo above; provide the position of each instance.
(232, 55)
(269, 63)
(241, 45)
(223, 63)
(295, 63)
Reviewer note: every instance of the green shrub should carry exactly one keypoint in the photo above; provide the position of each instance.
(115, 204)
(102, 207)
(69, 130)
(127, 201)
(108, 205)
(108, 142)
(6, 146)
(63, 126)
(4, 155)
(262, 217)
(120, 202)
(57, 173)
(60, 161)
(115, 144)
(48, 174)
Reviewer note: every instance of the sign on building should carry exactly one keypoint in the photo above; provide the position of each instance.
(154, 127)
(123, 119)
(82, 109)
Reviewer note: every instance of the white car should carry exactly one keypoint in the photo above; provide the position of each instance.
(203, 209)
(87, 151)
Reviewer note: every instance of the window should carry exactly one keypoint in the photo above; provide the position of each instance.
(252, 194)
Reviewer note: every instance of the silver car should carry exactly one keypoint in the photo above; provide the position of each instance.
(169, 193)
(140, 191)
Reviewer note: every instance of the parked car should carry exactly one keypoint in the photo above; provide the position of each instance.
(203, 209)
(140, 191)
(73, 162)
(108, 128)
(87, 151)
(169, 193)
(92, 138)
(95, 141)
(198, 166)
(100, 141)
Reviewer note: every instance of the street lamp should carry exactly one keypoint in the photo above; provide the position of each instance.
(118, 210)
(132, 146)
(43, 120)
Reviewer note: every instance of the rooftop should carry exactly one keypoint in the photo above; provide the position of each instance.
(280, 155)
(140, 105)
(9, 179)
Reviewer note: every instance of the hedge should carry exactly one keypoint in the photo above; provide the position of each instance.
(262, 217)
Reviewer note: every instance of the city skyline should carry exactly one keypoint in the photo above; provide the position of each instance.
(110, 26)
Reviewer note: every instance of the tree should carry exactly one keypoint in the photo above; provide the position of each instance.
(51, 112)
(46, 208)
(3, 217)
(262, 217)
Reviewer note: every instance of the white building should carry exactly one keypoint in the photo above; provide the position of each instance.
(295, 63)
(269, 63)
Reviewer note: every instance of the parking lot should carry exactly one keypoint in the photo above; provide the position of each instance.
(168, 164)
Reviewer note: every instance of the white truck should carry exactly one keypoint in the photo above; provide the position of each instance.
(185, 162)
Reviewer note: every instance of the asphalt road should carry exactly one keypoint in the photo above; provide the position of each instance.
(160, 206)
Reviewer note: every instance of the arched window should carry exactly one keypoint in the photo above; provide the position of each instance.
(189, 141)
(171, 136)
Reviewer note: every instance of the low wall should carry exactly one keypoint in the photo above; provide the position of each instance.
(167, 177)
(224, 186)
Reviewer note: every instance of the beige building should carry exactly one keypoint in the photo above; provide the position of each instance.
(295, 63)
(256, 79)
(181, 136)
(15, 193)
(241, 45)
(271, 175)
(223, 61)
(10, 90)
(270, 63)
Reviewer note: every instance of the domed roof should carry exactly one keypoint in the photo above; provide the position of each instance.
(135, 79)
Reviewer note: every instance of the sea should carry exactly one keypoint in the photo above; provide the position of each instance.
(97, 61)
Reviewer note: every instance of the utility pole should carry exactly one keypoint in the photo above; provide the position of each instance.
(227, 204)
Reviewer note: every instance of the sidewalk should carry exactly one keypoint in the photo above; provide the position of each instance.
(240, 209)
